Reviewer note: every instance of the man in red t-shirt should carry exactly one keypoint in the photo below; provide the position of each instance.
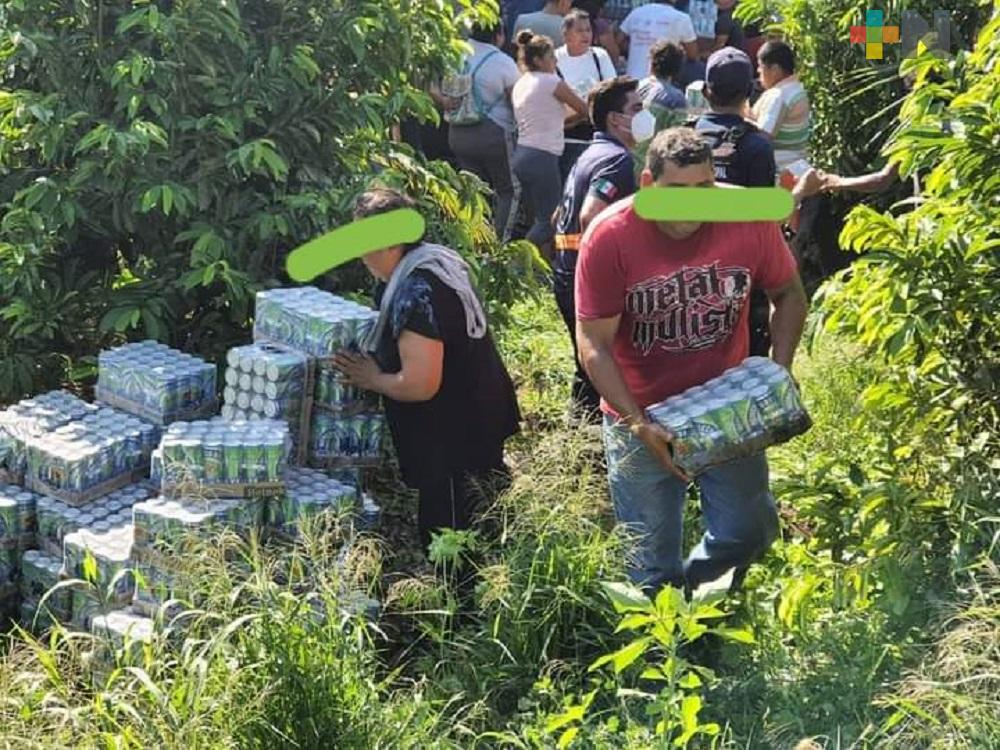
(662, 307)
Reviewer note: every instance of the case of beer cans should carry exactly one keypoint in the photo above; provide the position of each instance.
(309, 493)
(31, 418)
(40, 573)
(110, 549)
(155, 382)
(743, 411)
(218, 453)
(85, 458)
(310, 320)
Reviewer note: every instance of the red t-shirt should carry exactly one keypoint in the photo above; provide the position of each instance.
(683, 303)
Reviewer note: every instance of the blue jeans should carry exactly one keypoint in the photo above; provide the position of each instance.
(538, 173)
(740, 517)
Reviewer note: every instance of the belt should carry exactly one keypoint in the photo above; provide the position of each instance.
(569, 242)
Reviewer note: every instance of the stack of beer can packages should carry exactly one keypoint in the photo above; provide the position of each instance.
(288, 374)
(117, 491)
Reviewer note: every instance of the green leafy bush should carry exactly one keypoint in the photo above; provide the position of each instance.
(854, 101)
(922, 296)
(159, 159)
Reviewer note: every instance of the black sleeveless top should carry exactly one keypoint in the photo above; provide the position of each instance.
(464, 426)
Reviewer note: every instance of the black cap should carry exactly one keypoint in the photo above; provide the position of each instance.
(729, 73)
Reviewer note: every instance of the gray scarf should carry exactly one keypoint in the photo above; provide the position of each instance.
(449, 267)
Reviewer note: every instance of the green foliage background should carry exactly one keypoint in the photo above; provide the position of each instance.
(855, 102)
(158, 159)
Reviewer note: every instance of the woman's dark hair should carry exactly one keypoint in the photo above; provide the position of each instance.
(681, 146)
(778, 53)
(532, 47)
(572, 17)
(381, 200)
(667, 59)
(607, 97)
(486, 33)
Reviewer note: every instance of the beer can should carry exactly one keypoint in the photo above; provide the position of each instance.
(721, 412)
(193, 457)
(212, 448)
(274, 457)
(373, 441)
(255, 463)
(246, 361)
(232, 448)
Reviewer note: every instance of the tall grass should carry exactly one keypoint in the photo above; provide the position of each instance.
(952, 700)
(274, 655)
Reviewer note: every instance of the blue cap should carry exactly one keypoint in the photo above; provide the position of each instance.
(729, 72)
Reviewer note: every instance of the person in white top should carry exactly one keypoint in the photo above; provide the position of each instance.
(582, 66)
(484, 144)
(540, 98)
(648, 24)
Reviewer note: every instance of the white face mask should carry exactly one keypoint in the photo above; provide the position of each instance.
(643, 125)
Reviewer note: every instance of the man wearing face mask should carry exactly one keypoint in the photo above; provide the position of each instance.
(662, 307)
(603, 174)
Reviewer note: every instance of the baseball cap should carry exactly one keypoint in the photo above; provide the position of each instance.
(729, 73)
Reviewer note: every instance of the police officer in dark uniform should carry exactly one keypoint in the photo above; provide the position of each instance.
(603, 174)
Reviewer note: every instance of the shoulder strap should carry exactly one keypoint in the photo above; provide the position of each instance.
(597, 64)
(736, 133)
(475, 92)
(486, 57)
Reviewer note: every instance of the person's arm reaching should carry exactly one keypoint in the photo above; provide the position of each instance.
(419, 377)
(787, 320)
(874, 182)
(567, 96)
(595, 340)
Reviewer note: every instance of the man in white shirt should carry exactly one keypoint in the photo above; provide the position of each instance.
(582, 66)
(648, 24)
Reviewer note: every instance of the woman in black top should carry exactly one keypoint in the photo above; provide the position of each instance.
(449, 400)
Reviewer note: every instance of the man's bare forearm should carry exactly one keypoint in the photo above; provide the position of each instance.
(607, 378)
(787, 323)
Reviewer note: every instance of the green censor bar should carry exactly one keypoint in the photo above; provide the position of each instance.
(713, 204)
(358, 238)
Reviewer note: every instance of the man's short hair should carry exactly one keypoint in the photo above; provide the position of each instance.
(570, 19)
(684, 147)
(607, 97)
(778, 53)
(666, 59)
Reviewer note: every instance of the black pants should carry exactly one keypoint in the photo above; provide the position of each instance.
(453, 501)
(586, 399)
